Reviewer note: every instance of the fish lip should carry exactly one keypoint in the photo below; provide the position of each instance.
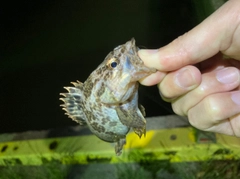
(142, 73)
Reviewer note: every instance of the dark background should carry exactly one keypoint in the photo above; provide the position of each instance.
(47, 44)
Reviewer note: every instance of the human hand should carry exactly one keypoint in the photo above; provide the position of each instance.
(196, 76)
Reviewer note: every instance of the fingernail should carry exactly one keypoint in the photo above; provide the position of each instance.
(184, 79)
(144, 52)
(236, 97)
(228, 75)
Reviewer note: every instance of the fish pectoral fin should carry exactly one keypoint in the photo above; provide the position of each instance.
(140, 131)
(133, 118)
(142, 109)
(119, 146)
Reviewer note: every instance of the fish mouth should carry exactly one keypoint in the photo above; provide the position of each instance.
(142, 72)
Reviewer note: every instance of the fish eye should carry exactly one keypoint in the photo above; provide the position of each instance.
(112, 63)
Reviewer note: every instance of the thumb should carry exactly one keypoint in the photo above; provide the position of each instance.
(214, 34)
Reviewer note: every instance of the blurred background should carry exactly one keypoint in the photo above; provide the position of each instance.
(47, 44)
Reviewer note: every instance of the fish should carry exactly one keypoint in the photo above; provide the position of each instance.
(107, 102)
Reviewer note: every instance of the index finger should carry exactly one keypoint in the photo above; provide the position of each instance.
(214, 34)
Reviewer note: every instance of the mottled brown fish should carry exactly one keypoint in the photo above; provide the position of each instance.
(108, 100)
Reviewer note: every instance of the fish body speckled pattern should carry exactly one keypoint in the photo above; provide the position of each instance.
(108, 100)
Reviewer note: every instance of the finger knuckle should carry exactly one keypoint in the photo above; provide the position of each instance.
(205, 114)
(235, 124)
(213, 109)
(177, 109)
(162, 90)
(193, 119)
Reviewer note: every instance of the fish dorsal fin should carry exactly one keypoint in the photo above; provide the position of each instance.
(73, 102)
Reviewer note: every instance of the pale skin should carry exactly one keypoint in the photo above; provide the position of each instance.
(199, 72)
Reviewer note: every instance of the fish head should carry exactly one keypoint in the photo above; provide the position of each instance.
(119, 73)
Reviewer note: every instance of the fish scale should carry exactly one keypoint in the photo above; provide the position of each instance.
(108, 100)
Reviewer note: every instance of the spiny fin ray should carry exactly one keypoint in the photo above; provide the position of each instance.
(73, 104)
